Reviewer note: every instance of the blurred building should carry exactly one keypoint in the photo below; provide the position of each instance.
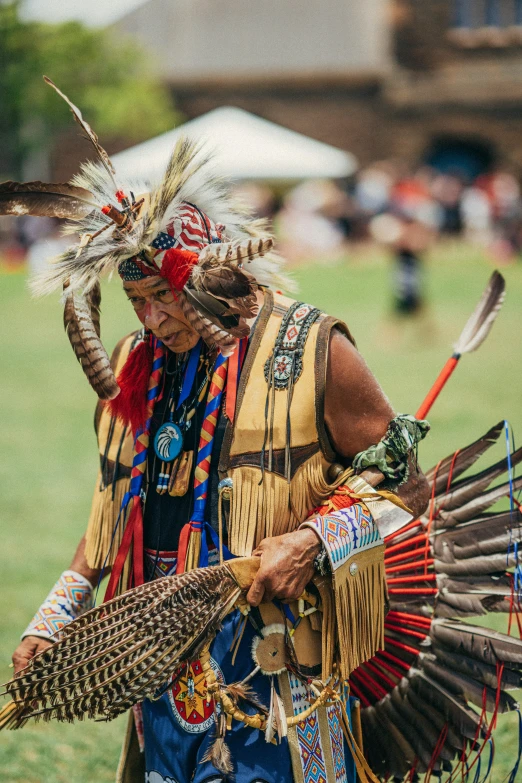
(438, 81)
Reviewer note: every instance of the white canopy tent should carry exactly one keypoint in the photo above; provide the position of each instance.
(246, 147)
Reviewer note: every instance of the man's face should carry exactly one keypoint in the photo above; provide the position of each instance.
(158, 310)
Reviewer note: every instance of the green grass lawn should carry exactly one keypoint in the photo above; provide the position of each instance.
(48, 459)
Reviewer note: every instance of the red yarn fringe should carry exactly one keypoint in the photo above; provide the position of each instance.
(176, 267)
(130, 406)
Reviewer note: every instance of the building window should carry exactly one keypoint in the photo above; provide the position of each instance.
(480, 23)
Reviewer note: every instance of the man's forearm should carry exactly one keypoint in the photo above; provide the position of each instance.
(80, 565)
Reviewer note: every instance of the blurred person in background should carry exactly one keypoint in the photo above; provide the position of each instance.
(313, 221)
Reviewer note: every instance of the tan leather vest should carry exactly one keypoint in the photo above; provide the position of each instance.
(277, 453)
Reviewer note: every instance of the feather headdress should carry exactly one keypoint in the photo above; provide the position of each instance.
(187, 228)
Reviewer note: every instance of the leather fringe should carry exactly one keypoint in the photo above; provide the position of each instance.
(265, 505)
(328, 631)
(193, 550)
(359, 588)
(100, 529)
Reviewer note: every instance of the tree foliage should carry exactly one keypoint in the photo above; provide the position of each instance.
(109, 77)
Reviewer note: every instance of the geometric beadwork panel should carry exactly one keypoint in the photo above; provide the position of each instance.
(345, 532)
(69, 598)
(333, 713)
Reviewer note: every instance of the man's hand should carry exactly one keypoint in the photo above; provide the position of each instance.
(287, 565)
(27, 649)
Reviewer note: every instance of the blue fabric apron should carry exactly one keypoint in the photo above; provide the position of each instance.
(179, 726)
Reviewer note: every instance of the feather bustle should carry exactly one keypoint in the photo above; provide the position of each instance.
(457, 462)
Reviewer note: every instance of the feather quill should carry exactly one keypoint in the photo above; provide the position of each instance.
(89, 133)
(483, 317)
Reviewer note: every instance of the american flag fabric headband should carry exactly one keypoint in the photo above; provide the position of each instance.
(190, 230)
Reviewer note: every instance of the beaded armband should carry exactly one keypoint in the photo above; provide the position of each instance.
(69, 598)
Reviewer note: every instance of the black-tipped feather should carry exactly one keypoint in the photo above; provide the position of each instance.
(483, 317)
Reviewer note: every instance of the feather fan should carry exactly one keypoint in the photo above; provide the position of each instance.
(127, 649)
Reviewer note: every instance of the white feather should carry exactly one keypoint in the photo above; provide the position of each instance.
(191, 178)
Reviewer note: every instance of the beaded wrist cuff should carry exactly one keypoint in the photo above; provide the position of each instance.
(345, 532)
(69, 598)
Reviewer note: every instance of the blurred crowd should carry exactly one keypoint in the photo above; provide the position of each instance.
(403, 211)
(321, 220)
(383, 201)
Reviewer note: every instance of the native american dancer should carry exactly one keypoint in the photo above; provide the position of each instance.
(273, 607)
